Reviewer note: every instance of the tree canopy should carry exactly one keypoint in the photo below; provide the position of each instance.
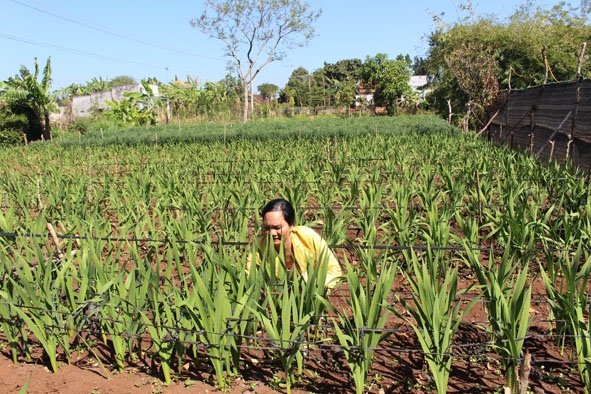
(298, 90)
(268, 90)
(28, 95)
(478, 56)
(390, 79)
(257, 32)
(343, 70)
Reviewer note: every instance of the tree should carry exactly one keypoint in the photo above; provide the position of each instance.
(472, 60)
(12, 126)
(268, 91)
(33, 97)
(318, 89)
(214, 98)
(136, 108)
(389, 78)
(475, 70)
(419, 66)
(96, 85)
(340, 80)
(183, 96)
(298, 88)
(256, 32)
(344, 92)
(192, 98)
(122, 80)
(343, 70)
(233, 85)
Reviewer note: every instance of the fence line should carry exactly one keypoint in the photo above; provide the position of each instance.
(89, 313)
(335, 347)
(246, 243)
(554, 115)
(318, 208)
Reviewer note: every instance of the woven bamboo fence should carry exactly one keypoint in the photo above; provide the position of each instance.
(551, 121)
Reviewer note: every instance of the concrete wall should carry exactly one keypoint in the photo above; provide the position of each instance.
(84, 105)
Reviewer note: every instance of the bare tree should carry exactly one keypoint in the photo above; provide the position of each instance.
(475, 70)
(257, 32)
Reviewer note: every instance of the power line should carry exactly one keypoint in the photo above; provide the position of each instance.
(116, 34)
(80, 52)
(75, 51)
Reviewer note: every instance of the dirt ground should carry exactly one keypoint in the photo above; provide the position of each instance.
(398, 367)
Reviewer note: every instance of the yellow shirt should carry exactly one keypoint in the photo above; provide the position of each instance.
(307, 246)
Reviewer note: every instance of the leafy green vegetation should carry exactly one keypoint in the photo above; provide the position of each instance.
(154, 224)
(476, 57)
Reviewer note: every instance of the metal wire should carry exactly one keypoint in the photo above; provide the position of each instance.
(271, 344)
(245, 243)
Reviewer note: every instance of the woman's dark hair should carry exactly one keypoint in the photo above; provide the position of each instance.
(280, 204)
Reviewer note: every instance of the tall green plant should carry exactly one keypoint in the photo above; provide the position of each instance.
(162, 320)
(436, 313)
(581, 327)
(218, 307)
(360, 332)
(292, 304)
(507, 293)
(566, 279)
(40, 309)
(25, 90)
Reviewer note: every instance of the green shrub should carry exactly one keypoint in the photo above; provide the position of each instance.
(80, 125)
(11, 137)
(95, 123)
(12, 127)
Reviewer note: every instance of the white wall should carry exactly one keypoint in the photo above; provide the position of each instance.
(84, 105)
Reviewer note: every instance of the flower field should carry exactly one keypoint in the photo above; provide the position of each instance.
(466, 265)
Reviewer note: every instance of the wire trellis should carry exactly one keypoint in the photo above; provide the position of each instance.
(258, 341)
(422, 248)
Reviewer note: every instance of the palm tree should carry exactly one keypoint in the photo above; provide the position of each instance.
(25, 91)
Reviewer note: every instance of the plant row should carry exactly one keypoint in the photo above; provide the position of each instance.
(435, 190)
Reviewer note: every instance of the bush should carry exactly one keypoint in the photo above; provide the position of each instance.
(94, 123)
(80, 125)
(12, 127)
(11, 137)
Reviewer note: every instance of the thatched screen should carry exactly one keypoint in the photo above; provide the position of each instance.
(551, 121)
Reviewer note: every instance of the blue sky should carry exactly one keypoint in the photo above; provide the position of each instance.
(89, 39)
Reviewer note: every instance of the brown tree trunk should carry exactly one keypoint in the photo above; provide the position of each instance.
(46, 126)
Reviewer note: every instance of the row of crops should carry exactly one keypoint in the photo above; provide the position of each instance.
(141, 247)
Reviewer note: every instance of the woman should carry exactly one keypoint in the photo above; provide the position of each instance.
(301, 244)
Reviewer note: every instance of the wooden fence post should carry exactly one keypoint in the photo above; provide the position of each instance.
(524, 370)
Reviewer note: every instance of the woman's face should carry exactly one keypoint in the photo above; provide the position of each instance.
(274, 224)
